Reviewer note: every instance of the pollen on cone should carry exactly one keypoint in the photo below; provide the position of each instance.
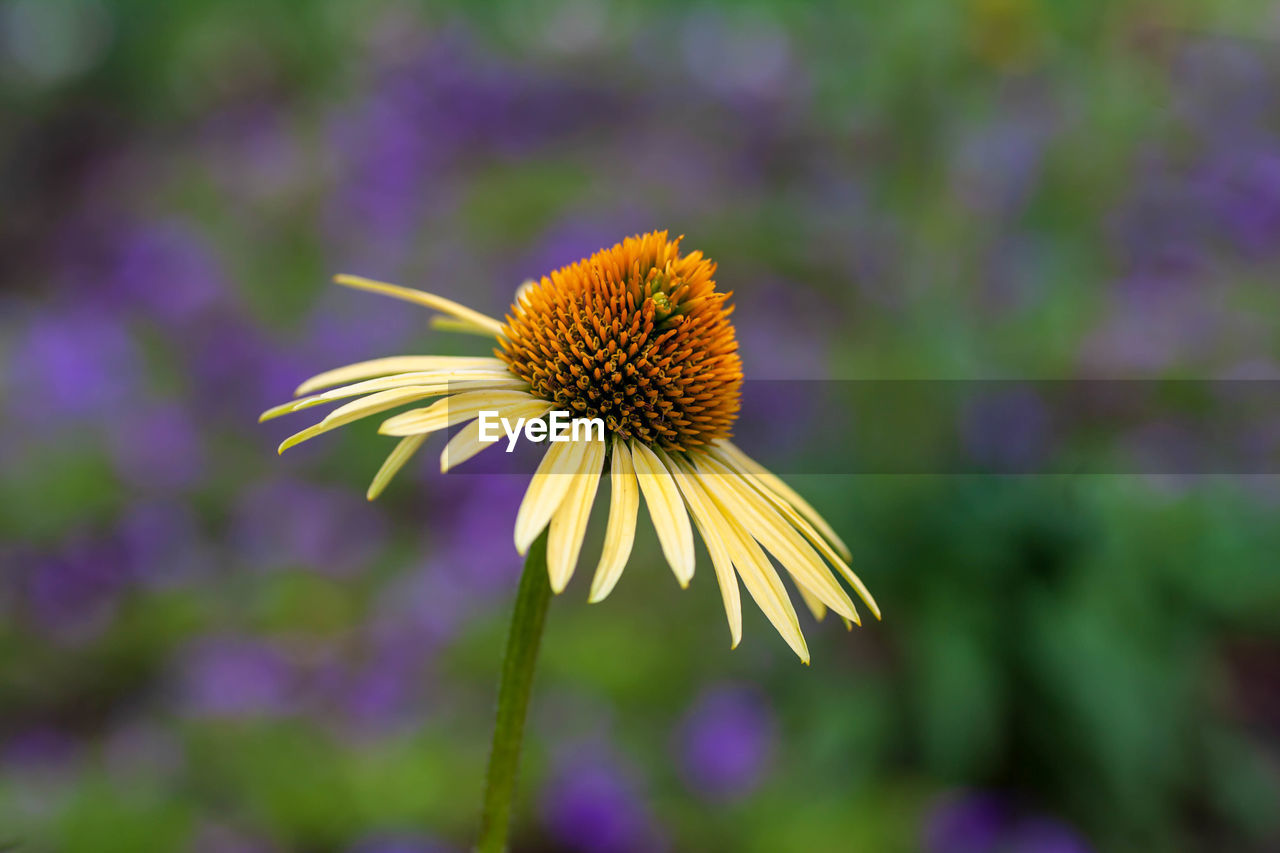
(636, 335)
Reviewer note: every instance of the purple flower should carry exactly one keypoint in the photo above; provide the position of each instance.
(468, 569)
(349, 326)
(425, 608)
(782, 332)
(292, 523)
(980, 822)
(74, 592)
(71, 364)
(163, 268)
(690, 171)
(725, 742)
(162, 541)
(233, 677)
(49, 762)
(468, 99)
(378, 693)
(239, 371)
(997, 164)
(39, 747)
(1152, 324)
(1243, 194)
(593, 805)
(168, 269)
(574, 238)
(1224, 87)
(157, 448)
(1160, 232)
(465, 548)
(1007, 429)
(966, 823)
(382, 158)
(444, 102)
(782, 339)
(1043, 835)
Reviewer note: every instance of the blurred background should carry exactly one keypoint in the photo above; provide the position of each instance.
(205, 647)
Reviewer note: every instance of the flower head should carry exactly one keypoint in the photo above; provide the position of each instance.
(637, 336)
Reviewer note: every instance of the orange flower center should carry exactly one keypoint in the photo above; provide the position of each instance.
(635, 335)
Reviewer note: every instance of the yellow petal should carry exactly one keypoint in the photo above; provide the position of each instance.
(430, 300)
(766, 525)
(460, 375)
(466, 442)
(569, 524)
(815, 605)
(832, 557)
(443, 381)
(620, 532)
(667, 511)
(453, 324)
(763, 583)
(711, 525)
(451, 410)
(822, 543)
(547, 489)
(827, 551)
(394, 364)
(729, 453)
(404, 451)
(357, 409)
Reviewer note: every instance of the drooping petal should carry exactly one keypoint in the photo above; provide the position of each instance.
(444, 381)
(357, 409)
(827, 551)
(732, 456)
(775, 533)
(395, 364)
(569, 524)
(789, 509)
(404, 451)
(467, 443)
(451, 410)
(547, 489)
(817, 608)
(763, 583)
(420, 297)
(815, 605)
(666, 508)
(620, 531)
(710, 524)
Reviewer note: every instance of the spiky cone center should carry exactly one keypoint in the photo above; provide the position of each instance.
(636, 335)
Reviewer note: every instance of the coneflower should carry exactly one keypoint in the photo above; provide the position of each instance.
(637, 336)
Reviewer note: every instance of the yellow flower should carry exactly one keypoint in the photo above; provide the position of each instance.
(637, 336)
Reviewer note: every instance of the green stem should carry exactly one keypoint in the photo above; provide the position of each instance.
(513, 697)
